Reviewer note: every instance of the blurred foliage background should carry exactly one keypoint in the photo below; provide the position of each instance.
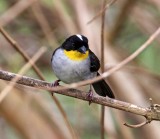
(30, 113)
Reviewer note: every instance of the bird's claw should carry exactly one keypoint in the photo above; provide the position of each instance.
(56, 83)
(90, 96)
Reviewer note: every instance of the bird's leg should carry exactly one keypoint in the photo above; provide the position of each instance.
(56, 83)
(90, 95)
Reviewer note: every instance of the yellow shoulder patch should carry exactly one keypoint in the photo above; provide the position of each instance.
(75, 55)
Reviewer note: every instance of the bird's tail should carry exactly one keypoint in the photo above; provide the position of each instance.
(103, 89)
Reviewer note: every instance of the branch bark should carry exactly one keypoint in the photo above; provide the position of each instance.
(150, 113)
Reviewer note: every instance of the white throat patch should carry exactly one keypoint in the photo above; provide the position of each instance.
(79, 36)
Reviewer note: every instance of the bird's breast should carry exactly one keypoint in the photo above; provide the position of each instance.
(70, 71)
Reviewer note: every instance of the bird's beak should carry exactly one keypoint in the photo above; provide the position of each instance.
(82, 49)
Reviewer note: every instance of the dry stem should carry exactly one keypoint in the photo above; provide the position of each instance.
(150, 113)
(102, 11)
(8, 88)
(102, 66)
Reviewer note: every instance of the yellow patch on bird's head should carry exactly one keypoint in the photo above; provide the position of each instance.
(75, 55)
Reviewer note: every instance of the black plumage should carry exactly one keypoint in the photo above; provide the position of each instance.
(101, 87)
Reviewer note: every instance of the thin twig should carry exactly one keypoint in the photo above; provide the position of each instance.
(26, 67)
(16, 46)
(102, 122)
(102, 36)
(102, 66)
(152, 112)
(137, 125)
(102, 11)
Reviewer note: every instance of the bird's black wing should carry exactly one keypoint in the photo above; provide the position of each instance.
(94, 62)
(100, 87)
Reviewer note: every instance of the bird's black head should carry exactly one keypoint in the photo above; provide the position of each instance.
(76, 42)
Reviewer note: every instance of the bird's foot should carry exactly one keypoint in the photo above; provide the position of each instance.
(90, 96)
(55, 84)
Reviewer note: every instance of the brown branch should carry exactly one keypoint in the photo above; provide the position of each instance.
(138, 125)
(102, 66)
(148, 119)
(150, 113)
(10, 86)
(17, 47)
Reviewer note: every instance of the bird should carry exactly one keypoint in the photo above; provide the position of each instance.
(73, 61)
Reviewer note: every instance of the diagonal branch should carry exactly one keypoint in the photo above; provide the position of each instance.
(150, 113)
(10, 86)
